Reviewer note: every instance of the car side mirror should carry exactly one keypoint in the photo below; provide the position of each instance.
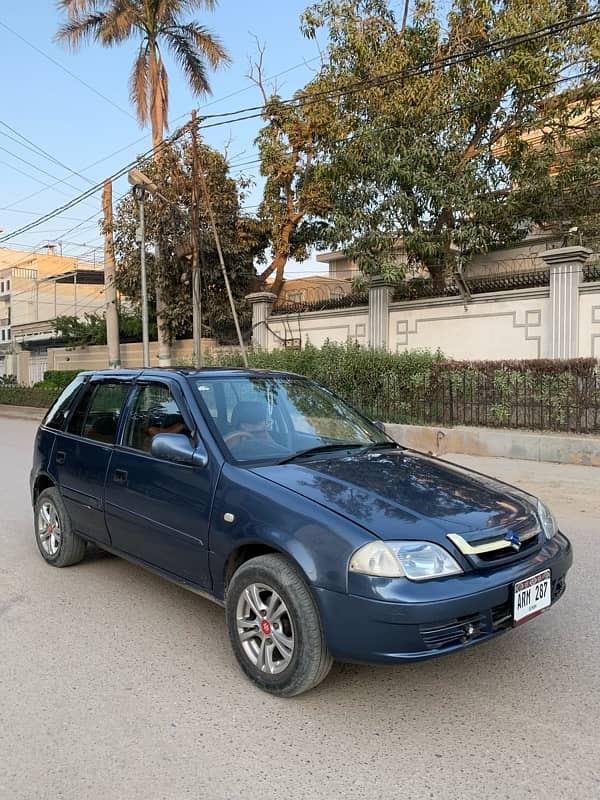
(379, 425)
(177, 447)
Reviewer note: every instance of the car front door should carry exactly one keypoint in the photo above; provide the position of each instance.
(158, 510)
(82, 451)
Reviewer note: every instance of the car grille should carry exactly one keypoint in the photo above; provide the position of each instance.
(507, 554)
(461, 630)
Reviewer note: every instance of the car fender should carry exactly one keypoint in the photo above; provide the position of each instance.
(250, 512)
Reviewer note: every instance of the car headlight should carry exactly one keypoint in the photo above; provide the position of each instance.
(547, 520)
(417, 561)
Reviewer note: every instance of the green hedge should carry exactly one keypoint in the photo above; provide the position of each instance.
(424, 388)
(419, 386)
(35, 396)
(58, 378)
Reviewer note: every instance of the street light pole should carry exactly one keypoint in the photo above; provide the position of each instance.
(138, 192)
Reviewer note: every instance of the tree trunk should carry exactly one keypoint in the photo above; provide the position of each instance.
(112, 317)
(163, 337)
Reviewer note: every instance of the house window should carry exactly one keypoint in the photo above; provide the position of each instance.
(3, 335)
(8, 286)
(295, 297)
(1, 287)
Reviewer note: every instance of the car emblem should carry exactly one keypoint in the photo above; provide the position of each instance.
(513, 540)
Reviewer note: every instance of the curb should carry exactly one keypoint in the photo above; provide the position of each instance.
(582, 449)
(23, 412)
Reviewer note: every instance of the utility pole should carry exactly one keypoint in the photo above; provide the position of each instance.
(112, 317)
(195, 222)
(215, 232)
(139, 192)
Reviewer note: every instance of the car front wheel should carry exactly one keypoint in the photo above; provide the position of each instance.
(57, 543)
(274, 627)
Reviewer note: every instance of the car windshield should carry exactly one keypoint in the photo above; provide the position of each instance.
(279, 418)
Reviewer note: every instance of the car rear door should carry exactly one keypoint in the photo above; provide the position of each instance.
(157, 510)
(82, 451)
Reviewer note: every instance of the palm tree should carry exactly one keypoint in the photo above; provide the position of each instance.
(153, 23)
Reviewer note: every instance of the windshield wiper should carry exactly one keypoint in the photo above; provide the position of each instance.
(320, 448)
(383, 443)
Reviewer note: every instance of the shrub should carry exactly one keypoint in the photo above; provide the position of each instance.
(32, 396)
(422, 387)
(58, 379)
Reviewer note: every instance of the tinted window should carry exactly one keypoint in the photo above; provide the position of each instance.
(55, 418)
(154, 411)
(97, 414)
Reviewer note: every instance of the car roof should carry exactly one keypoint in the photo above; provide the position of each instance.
(191, 372)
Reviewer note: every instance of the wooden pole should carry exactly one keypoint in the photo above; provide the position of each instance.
(195, 221)
(110, 292)
(213, 224)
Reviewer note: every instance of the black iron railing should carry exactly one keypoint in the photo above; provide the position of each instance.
(417, 288)
(330, 303)
(503, 398)
(591, 272)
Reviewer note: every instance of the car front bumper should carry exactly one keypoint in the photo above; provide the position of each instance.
(396, 620)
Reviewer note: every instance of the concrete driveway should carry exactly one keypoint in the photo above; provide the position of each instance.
(117, 684)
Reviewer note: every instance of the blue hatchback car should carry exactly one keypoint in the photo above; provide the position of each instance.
(322, 537)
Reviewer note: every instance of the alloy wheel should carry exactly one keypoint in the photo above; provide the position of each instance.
(265, 628)
(49, 530)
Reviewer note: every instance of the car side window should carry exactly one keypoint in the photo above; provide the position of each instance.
(97, 414)
(154, 411)
(55, 418)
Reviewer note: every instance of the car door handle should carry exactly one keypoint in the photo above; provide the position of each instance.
(61, 456)
(120, 476)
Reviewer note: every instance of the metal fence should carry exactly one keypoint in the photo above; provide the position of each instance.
(325, 304)
(505, 398)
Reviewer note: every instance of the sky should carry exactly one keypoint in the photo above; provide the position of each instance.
(75, 106)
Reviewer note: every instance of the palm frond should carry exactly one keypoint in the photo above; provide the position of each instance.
(121, 20)
(139, 85)
(208, 46)
(79, 6)
(81, 28)
(159, 93)
(190, 61)
(170, 11)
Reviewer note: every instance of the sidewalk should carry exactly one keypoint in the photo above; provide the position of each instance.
(560, 448)
(22, 412)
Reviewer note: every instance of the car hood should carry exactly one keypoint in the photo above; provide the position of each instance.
(396, 493)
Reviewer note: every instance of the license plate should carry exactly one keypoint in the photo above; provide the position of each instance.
(531, 596)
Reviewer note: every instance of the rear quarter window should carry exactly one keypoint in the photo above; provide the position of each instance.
(56, 417)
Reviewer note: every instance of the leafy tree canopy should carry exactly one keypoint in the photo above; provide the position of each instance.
(168, 223)
(437, 158)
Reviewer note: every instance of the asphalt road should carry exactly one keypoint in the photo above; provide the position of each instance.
(116, 684)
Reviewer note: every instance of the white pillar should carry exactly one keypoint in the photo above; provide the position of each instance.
(262, 305)
(380, 294)
(566, 264)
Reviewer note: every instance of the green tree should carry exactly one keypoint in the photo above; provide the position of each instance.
(168, 221)
(296, 195)
(438, 158)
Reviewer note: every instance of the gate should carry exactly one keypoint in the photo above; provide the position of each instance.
(38, 364)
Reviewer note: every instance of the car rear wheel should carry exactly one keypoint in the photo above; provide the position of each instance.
(274, 627)
(56, 541)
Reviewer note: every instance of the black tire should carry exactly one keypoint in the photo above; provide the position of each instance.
(310, 661)
(71, 547)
